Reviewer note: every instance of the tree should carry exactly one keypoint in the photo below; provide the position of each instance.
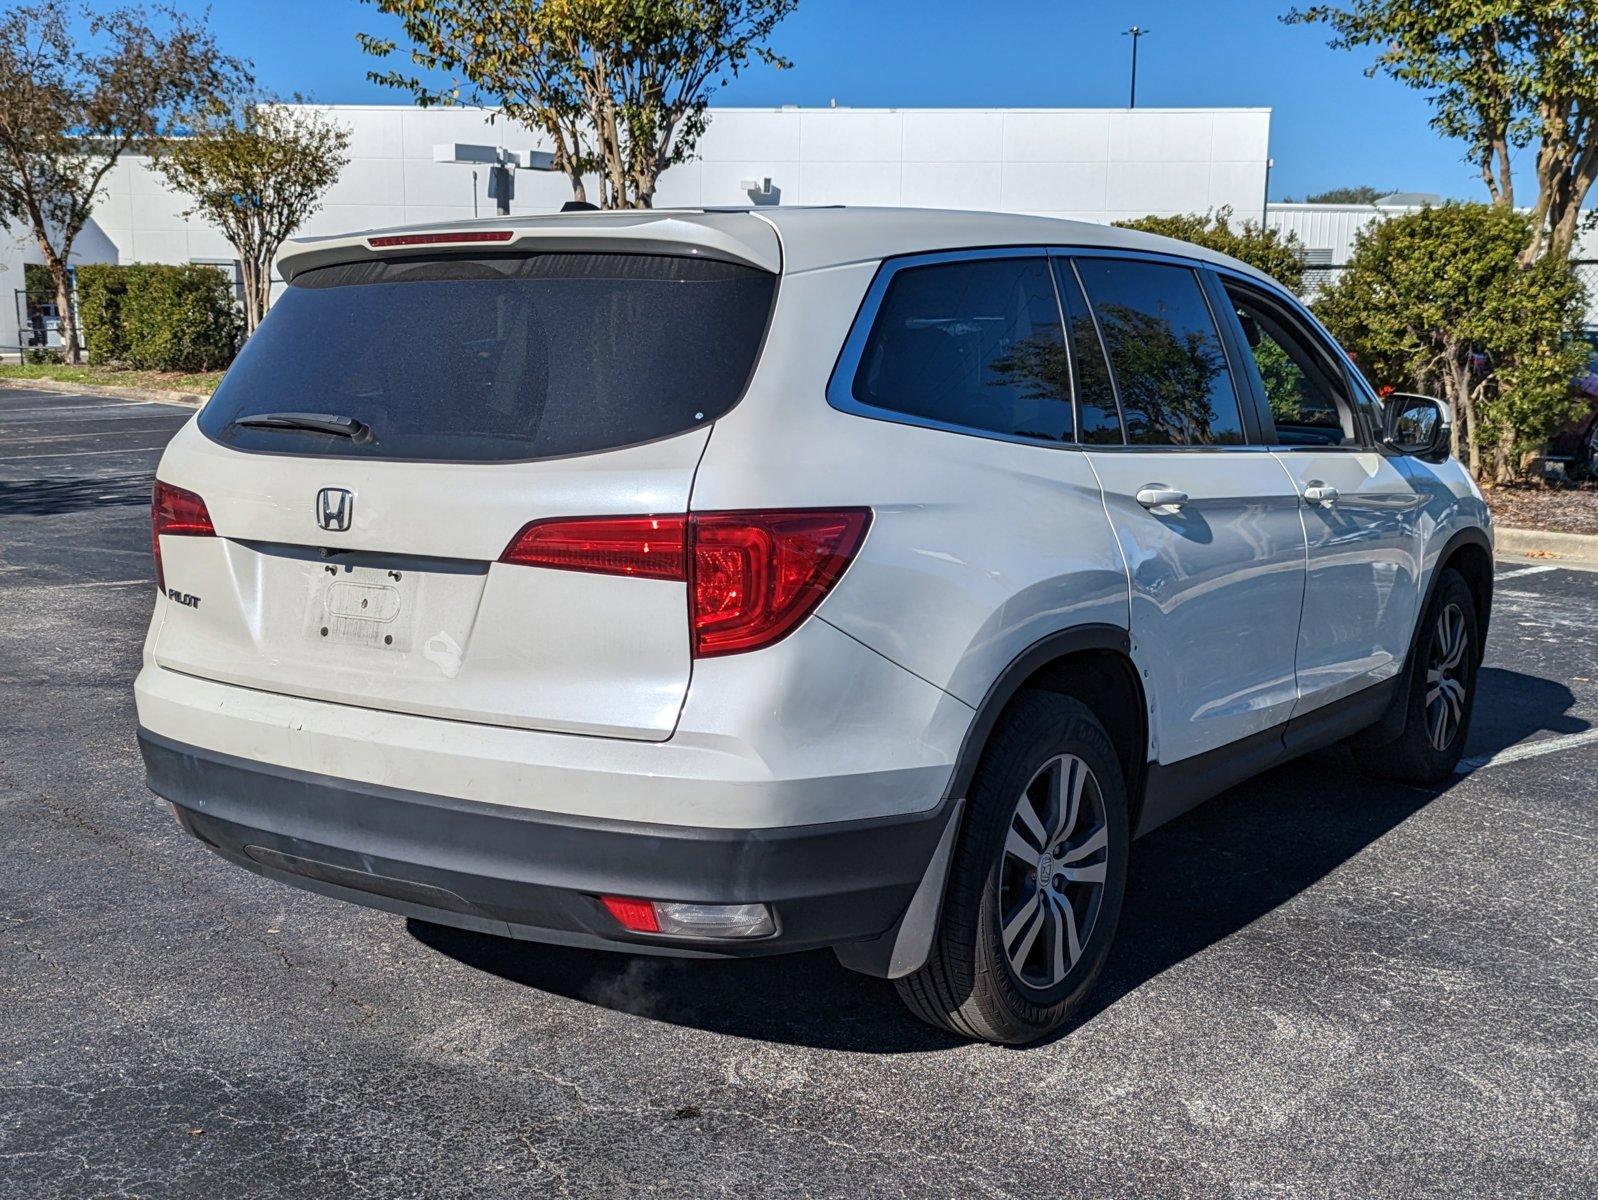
(1501, 74)
(1272, 251)
(1360, 194)
(257, 174)
(620, 87)
(1441, 298)
(73, 100)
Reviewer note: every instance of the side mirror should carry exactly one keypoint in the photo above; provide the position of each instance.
(1416, 425)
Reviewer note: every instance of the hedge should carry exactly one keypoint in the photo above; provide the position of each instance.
(157, 317)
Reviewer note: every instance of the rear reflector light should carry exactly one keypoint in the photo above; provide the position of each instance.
(690, 920)
(635, 915)
(175, 512)
(441, 239)
(752, 576)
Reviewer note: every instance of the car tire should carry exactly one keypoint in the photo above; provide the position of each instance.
(1442, 691)
(1050, 756)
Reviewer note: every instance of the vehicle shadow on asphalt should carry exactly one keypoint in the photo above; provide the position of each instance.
(1192, 883)
(55, 497)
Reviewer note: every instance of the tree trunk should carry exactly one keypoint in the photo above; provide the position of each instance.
(67, 320)
(1458, 387)
(254, 306)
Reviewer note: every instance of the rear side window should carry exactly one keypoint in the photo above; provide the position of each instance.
(498, 358)
(1099, 422)
(976, 344)
(1170, 368)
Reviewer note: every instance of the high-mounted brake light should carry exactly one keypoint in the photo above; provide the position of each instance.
(752, 576)
(175, 512)
(440, 239)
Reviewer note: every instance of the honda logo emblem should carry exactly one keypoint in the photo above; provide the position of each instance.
(335, 508)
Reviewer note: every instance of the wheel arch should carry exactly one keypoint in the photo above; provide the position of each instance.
(1469, 552)
(1092, 663)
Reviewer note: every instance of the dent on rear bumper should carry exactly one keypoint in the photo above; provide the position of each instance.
(816, 729)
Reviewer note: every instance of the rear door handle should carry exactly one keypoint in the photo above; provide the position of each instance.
(1155, 497)
(1323, 494)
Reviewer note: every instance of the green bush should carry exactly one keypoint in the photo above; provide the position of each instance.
(157, 317)
(1439, 300)
(101, 287)
(1277, 254)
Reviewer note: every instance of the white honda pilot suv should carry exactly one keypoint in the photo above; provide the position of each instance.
(717, 583)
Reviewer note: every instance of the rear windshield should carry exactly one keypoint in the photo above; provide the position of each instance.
(497, 358)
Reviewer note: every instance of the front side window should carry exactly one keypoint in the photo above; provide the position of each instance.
(1170, 368)
(975, 344)
(1308, 400)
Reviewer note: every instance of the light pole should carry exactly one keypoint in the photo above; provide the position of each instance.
(1135, 33)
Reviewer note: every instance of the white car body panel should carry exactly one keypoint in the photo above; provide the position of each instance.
(819, 728)
(1365, 556)
(1216, 590)
(510, 645)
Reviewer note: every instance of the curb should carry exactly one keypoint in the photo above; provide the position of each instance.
(155, 395)
(1544, 543)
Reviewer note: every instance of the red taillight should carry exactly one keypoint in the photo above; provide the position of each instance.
(637, 916)
(752, 576)
(441, 239)
(651, 547)
(757, 575)
(175, 512)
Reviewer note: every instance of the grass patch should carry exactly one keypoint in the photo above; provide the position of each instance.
(165, 381)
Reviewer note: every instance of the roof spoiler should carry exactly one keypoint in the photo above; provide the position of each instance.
(723, 236)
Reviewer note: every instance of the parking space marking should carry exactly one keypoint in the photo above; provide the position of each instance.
(67, 587)
(19, 458)
(79, 437)
(1525, 750)
(1523, 571)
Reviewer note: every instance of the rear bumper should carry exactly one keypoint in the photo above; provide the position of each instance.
(537, 875)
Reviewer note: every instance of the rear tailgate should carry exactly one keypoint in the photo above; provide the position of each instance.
(366, 572)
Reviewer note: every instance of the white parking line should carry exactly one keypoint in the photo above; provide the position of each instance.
(21, 458)
(80, 437)
(1570, 741)
(104, 583)
(1526, 571)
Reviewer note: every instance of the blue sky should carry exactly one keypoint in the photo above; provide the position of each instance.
(1331, 125)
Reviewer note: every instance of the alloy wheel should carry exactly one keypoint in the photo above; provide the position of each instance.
(1445, 678)
(1051, 881)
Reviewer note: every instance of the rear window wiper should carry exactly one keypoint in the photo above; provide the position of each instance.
(331, 423)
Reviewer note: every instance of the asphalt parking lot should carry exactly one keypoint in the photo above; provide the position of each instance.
(1324, 986)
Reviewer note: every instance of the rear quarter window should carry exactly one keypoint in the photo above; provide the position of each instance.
(976, 344)
(498, 358)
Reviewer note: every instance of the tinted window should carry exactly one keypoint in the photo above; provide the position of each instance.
(1098, 421)
(1170, 368)
(1308, 401)
(513, 357)
(976, 344)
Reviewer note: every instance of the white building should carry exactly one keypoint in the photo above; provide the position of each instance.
(1089, 164)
